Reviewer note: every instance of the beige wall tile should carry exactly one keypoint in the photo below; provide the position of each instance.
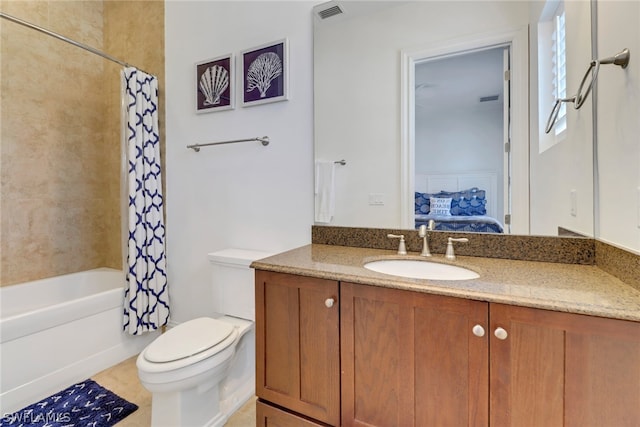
(61, 147)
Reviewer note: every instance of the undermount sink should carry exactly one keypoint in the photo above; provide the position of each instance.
(418, 269)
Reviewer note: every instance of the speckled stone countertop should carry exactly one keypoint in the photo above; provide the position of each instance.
(572, 288)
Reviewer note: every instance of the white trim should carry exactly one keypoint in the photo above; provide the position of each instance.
(518, 38)
(506, 138)
(407, 139)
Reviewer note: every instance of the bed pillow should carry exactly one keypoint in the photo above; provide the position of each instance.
(466, 202)
(440, 206)
(422, 203)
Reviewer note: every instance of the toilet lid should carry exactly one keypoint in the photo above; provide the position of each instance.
(187, 339)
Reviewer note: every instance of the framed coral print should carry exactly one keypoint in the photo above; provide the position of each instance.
(215, 84)
(265, 73)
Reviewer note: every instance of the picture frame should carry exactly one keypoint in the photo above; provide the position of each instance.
(215, 84)
(265, 73)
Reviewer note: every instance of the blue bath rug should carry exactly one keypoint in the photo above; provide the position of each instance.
(86, 404)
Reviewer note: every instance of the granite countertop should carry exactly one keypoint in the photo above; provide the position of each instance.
(572, 288)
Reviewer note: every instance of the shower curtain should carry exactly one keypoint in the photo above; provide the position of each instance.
(146, 299)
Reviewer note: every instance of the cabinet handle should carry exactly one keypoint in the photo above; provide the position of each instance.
(478, 331)
(329, 302)
(501, 334)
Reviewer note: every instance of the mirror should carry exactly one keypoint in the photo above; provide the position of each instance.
(372, 103)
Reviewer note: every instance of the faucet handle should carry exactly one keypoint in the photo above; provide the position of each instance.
(450, 254)
(402, 248)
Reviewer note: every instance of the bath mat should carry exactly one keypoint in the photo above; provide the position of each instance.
(86, 404)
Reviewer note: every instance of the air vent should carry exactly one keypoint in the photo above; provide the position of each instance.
(489, 98)
(331, 10)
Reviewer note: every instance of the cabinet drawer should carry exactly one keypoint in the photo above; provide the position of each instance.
(270, 416)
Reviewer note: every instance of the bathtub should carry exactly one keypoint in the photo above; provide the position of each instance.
(58, 331)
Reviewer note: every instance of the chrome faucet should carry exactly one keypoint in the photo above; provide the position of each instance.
(450, 254)
(423, 232)
(402, 248)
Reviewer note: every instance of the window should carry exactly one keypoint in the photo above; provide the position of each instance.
(559, 69)
(552, 72)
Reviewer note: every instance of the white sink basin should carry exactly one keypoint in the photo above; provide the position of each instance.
(417, 269)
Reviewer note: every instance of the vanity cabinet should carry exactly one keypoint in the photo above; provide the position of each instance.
(417, 359)
(298, 346)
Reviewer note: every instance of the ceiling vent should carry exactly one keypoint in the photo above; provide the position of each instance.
(328, 10)
(489, 98)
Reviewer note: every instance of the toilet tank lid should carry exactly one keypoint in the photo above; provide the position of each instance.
(236, 256)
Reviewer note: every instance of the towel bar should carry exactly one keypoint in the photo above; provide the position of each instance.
(264, 140)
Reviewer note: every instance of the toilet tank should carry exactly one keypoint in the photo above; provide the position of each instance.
(233, 281)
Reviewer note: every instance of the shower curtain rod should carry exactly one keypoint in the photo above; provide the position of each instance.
(68, 40)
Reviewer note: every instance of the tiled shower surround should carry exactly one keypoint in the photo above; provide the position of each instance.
(60, 162)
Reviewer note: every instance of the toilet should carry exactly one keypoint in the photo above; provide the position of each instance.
(201, 371)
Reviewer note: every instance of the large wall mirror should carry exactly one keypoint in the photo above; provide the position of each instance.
(413, 97)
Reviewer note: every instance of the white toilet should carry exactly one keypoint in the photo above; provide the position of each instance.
(202, 370)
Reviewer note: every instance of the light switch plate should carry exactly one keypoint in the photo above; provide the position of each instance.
(376, 199)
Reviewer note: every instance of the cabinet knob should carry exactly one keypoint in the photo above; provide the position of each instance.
(501, 334)
(478, 331)
(329, 302)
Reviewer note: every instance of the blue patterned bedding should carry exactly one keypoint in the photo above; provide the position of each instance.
(468, 223)
(463, 210)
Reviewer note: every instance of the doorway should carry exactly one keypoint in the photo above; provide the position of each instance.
(427, 115)
(462, 118)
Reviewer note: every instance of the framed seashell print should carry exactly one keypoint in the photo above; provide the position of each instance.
(215, 84)
(265, 73)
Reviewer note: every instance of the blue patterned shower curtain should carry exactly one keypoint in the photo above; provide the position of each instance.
(146, 298)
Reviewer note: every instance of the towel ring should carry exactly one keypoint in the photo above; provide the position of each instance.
(555, 111)
(577, 99)
(621, 59)
(580, 97)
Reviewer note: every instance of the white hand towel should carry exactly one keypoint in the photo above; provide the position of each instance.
(325, 191)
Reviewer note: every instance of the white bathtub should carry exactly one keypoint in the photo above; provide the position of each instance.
(58, 331)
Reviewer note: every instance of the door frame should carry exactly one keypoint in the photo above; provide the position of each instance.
(518, 39)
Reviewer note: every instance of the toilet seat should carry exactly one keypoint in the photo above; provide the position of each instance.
(208, 355)
(188, 339)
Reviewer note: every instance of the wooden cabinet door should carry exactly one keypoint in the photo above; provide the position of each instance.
(297, 344)
(411, 359)
(559, 369)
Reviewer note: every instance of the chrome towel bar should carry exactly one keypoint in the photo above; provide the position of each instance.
(264, 140)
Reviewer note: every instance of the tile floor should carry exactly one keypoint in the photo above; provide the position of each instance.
(122, 379)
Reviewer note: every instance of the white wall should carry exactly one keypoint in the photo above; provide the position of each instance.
(567, 165)
(237, 195)
(468, 140)
(619, 126)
